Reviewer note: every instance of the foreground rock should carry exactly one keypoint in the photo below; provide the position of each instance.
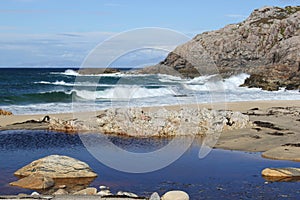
(5, 113)
(281, 174)
(56, 166)
(175, 195)
(161, 122)
(266, 45)
(87, 191)
(34, 182)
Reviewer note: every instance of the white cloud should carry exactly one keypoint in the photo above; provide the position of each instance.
(51, 49)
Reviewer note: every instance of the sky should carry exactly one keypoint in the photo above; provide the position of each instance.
(63, 32)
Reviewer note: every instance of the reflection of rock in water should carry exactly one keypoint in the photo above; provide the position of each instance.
(133, 144)
(282, 179)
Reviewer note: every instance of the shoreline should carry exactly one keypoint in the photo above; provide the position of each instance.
(275, 134)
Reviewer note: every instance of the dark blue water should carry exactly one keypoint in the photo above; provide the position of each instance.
(221, 175)
(50, 90)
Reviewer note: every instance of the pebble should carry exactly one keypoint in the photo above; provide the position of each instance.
(103, 187)
(104, 193)
(175, 195)
(128, 194)
(154, 196)
(35, 194)
(87, 191)
(60, 192)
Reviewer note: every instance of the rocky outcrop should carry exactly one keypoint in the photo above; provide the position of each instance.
(159, 123)
(266, 45)
(5, 113)
(56, 166)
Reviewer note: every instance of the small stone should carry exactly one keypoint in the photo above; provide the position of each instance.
(175, 195)
(128, 194)
(154, 196)
(103, 193)
(103, 187)
(60, 192)
(34, 182)
(22, 195)
(281, 172)
(87, 191)
(62, 187)
(35, 194)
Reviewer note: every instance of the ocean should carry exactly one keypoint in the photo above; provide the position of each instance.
(54, 90)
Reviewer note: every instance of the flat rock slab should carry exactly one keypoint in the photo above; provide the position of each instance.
(56, 166)
(285, 152)
(34, 182)
(281, 174)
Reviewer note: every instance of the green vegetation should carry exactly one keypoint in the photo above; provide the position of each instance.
(282, 30)
(292, 10)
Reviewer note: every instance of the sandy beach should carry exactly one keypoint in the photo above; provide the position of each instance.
(275, 129)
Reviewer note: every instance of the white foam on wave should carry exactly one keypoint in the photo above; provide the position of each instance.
(70, 72)
(124, 92)
(169, 78)
(207, 83)
(63, 83)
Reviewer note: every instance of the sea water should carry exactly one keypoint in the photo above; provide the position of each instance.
(51, 90)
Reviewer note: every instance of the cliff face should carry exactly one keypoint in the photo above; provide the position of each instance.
(265, 45)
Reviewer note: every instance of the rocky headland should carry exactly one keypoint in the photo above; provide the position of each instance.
(266, 45)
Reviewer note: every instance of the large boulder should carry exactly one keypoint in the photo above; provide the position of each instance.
(56, 166)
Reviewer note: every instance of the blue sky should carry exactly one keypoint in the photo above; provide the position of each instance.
(62, 32)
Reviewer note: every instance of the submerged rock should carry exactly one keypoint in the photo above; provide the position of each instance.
(56, 166)
(34, 182)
